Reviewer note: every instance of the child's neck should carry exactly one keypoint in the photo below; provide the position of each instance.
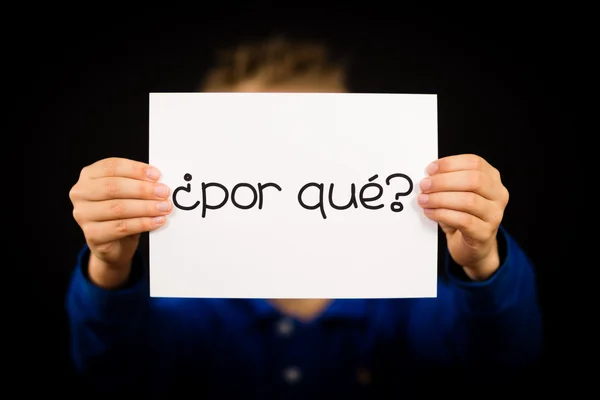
(302, 309)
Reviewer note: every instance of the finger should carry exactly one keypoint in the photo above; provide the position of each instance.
(462, 181)
(468, 224)
(462, 162)
(122, 188)
(468, 202)
(121, 167)
(109, 231)
(110, 210)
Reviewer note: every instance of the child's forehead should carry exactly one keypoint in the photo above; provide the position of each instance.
(299, 86)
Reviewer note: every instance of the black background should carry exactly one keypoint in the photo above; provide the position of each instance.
(501, 78)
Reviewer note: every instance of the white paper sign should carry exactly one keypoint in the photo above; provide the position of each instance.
(264, 183)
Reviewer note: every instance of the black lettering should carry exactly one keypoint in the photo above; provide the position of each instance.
(364, 200)
(351, 203)
(262, 186)
(397, 206)
(186, 188)
(254, 196)
(205, 205)
(319, 204)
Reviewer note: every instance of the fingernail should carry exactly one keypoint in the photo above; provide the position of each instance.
(152, 173)
(159, 220)
(163, 206)
(423, 198)
(432, 168)
(425, 184)
(161, 191)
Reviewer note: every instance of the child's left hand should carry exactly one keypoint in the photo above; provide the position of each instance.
(465, 195)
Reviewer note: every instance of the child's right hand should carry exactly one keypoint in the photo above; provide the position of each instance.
(114, 201)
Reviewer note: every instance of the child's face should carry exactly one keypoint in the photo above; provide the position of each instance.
(304, 309)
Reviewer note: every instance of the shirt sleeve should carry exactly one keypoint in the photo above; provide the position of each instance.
(90, 302)
(108, 329)
(124, 341)
(499, 319)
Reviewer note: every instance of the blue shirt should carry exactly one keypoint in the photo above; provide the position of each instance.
(124, 341)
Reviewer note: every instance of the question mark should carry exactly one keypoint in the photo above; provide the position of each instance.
(398, 206)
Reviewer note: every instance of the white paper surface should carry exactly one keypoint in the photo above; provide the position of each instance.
(284, 250)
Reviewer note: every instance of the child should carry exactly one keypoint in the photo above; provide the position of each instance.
(483, 325)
